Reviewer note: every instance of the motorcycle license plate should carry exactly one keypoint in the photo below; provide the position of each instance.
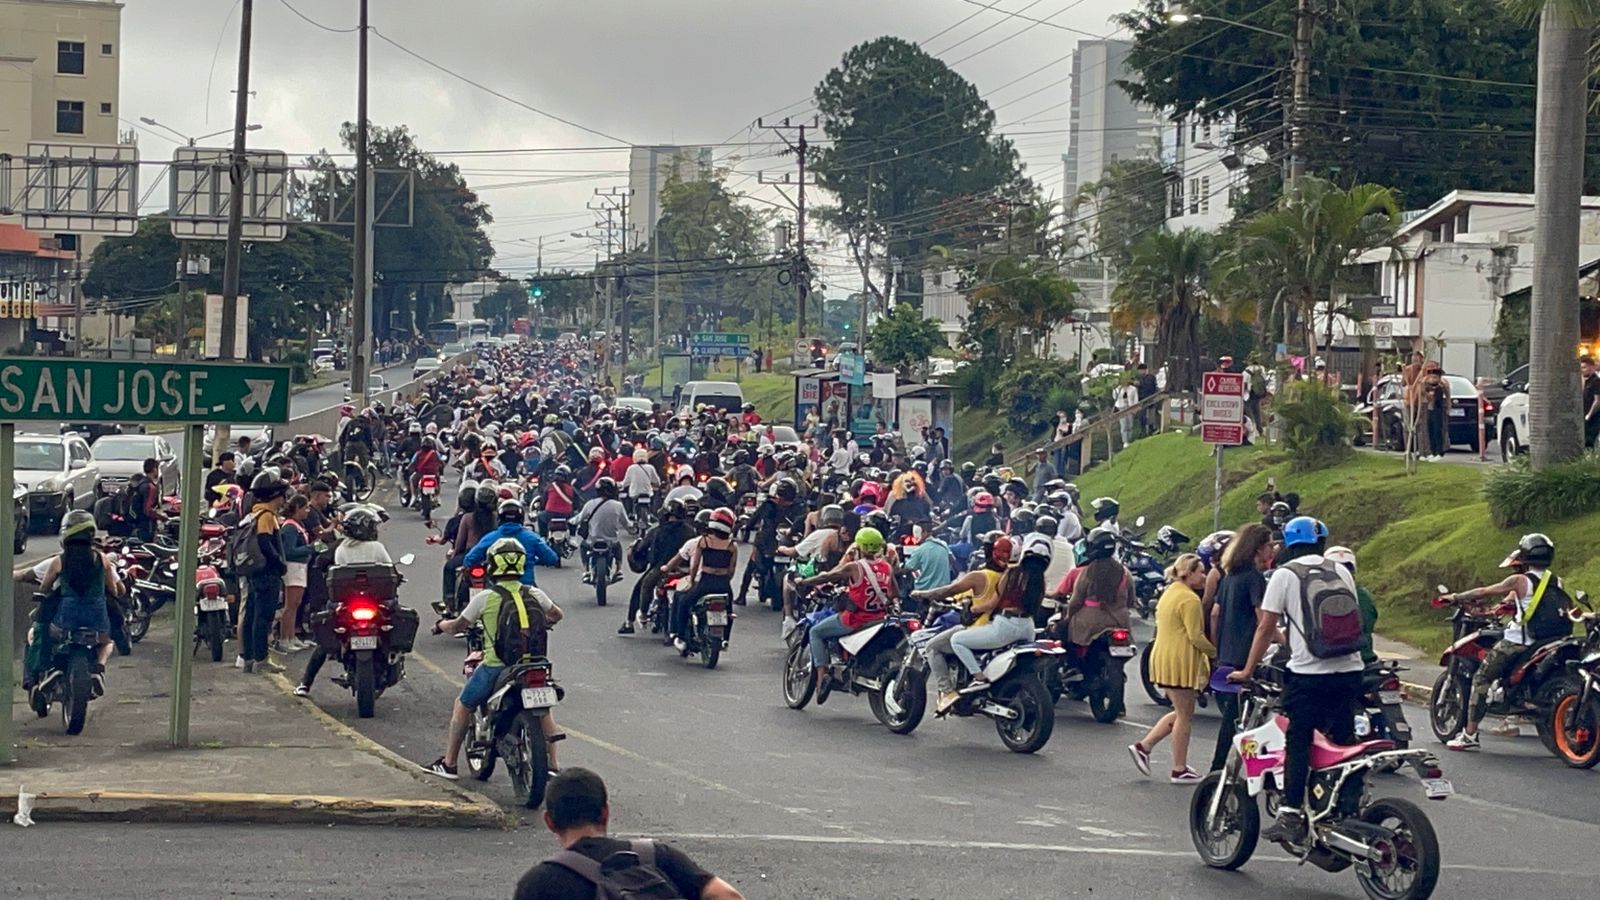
(716, 618)
(558, 534)
(1388, 698)
(1123, 651)
(213, 604)
(364, 642)
(1437, 788)
(432, 490)
(538, 698)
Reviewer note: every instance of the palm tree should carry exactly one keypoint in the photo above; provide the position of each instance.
(1030, 295)
(1299, 250)
(1167, 281)
(1555, 420)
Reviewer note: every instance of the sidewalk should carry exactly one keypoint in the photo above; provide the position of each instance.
(1422, 669)
(258, 755)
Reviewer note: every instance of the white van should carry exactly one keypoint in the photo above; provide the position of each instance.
(724, 394)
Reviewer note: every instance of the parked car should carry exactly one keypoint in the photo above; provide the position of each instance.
(376, 384)
(121, 457)
(1512, 418)
(424, 365)
(94, 431)
(59, 473)
(785, 438)
(260, 438)
(1496, 392)
(19, 503)
(1467, 407)
(637, 404)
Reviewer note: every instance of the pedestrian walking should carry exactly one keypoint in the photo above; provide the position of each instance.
(1180, 664)
(1234, 617)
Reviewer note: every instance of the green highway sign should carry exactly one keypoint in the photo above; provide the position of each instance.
(719, 343)
(91, 390)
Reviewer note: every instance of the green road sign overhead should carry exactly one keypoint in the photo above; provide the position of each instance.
(719, 338)
(88, 390)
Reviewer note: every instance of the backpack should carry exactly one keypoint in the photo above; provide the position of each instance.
(1330, 615)
(520, 629)
(625, 875)
(130, 503)
(244, 551)
(1545, 617)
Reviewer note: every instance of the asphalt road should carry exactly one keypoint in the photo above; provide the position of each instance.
(818, 803)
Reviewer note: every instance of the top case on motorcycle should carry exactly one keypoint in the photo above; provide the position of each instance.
(380, 581)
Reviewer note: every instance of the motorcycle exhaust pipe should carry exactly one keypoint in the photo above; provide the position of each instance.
(1350, 846)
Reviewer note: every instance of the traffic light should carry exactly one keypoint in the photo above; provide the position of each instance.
(535, 291)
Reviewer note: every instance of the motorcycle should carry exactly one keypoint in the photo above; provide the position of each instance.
(1383, 715)
(210, 610)
(1388, 841)
(709, 621)
(1531, 686)
(868, 661)
(599, 568)
(1147, 564)
(560, 535)
(510, 724)
(1575, 717)
(367, 630)
(427, 495)
(747, 511)
(1017, 699)
(778, 566)
(66, 678)
(1094, 673)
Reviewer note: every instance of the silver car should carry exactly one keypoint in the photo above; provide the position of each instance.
(60, 474)
(121, 457)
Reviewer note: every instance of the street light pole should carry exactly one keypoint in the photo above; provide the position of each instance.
(1302, 81)
(361, 284)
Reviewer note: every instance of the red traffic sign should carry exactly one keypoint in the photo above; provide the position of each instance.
(1226, 384)
(1221, 433)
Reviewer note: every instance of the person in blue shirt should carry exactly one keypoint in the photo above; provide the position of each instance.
(511, 516)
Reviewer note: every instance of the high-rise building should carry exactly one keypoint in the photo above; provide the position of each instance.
(648, 171)
(1105, 125)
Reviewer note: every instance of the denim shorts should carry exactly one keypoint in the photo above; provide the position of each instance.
(74, 614)
(480, 684)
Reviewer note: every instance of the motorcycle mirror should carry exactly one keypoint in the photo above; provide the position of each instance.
(1139, 522)
(408, 559)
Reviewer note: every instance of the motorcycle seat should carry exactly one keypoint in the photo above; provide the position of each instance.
(1325, 754)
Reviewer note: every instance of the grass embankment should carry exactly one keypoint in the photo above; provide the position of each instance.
(1410, 532)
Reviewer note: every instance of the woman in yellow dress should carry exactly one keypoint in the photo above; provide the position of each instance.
(1180, 662)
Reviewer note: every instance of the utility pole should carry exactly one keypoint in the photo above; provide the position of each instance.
(802, 266)
(361, 282)
(1302, 85)
(866, 266)
(615, 200)
(77, 303)
(238, 168)
(183, 296)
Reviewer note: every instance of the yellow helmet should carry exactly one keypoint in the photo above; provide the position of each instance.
(506, 558)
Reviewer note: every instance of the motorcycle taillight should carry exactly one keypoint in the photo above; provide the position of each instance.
(1119, 636)
(361, 610)
(536, 677)
(477, 573)
(428, 482)
(1391, 684)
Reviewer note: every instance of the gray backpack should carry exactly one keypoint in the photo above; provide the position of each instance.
(625, 875)
(1329, 612)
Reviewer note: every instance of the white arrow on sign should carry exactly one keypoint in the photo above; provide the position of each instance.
(260, 394)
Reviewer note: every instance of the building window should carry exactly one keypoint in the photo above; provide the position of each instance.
(105, 109)
(1205, 193)
(1194, 128)
(1175, 207)
(1235, 194)
(69, 57)
(105, 49)
(1194, 196)
(69, 117)
(1205, 132)
(67, 242)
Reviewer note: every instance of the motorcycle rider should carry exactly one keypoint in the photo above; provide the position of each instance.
(507, 562)
(663, 543)
(1106, 510)
(360, 546)
(640, 482)
(1538, 604)
(980, 584)
(1320, 692)
(711, 560)
(1014, 603)
(781, 508)
(425, 461)
(355, 445)
(981, 520)
(538, 552)
(466, 502)
(559, 497)
(949, 492)
(87, 579)
(1100, 592)
(871, 594)
(605, 518)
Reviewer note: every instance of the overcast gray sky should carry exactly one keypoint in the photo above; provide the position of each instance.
(644, 71)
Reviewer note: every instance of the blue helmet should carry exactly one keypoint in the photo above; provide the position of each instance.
(1303, 530)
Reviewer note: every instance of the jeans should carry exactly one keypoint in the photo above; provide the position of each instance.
(1438, 442)
(938, 652)
(448, 588)
(686, 600)
(314, 665)
(1325, 703)
(145, 529)
(1000, 632)
(266, 595)
(828, 629)
(1228, 708)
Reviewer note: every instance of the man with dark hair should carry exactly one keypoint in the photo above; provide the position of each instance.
(222, 474)
(146, 505)
(577, 812)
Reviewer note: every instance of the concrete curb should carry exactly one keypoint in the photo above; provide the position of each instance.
(272, 809)
(1422, 695)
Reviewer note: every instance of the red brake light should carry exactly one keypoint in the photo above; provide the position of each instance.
(1434, 772)
(535, 677)
(429, 481)
(716, 607)
(913, 625)
(212, 590)
(362, 610)
(1119, 635)
(477, 572)
(1393, 684)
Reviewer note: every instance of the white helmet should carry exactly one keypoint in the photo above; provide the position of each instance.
(1035, 544)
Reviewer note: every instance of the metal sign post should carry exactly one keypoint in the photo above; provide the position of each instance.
(143, 391)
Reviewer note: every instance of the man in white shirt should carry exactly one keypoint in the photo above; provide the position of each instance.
(1125, 396)
(1320, 692)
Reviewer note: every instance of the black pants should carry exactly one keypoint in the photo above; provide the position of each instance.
(1228, 708)
(643, 590)
(314, 665)
(685, 601)
(1438, 440)
(757, 565)
(1325, 703)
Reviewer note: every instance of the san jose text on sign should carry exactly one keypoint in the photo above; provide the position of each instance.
(84, 390)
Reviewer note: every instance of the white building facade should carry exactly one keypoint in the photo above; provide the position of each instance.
(1105, 125)
(648, 171)
(1206, 174)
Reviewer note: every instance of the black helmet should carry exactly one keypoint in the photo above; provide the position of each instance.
(267, 485)
(510, 510)
(992, 483)
(1535, 550)
(968, 469)
(787, 489)
(1100, 544)
(1046, 524)
(487, 497)
(749, 407)
(830, 516)
(562, 473)
(467, 499)
(674, 508)
(741, 457)
(360, 524)
(702, 519)
(877, 519)
(607, 486)
(1017, 486)
(1022, 521)
(920, 467)
(1105, 508)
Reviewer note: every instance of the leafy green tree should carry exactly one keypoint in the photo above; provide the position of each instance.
(562, 294)
(1167, 283)
(912, 147)
(1029, 295)
(1129, 202)
(903, 338)
(508, 302)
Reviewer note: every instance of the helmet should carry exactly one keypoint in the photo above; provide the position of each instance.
(1279, 512)
(429, 443)
(641, 456)
(433, 428)
(346, 411)
(1100, 544)
(1343, 555)
(968, 469)
(506, 558)
(1211, 546)
(786, 489)
(267, 485)
(466, 499)
(1533, 550)
(77, 526)
(992, 483)
(607, 486)
(983, 502)
(487, 496)
(674, 509)
(831, 516)
(1037, 546)
(552, 419)
(870, 540)
(741, 457)
(1059, 497)
(1071, 489)
(721, 521)
(360, 524)
(878, 519)
(1053, 485)
(702, 519)
(1022, 521)
(920, 467)
(1017, 486)
(414, 428)
(997, 549)
(1046, 524)
(562, 473)
(510, 510)
(1304, 530)
(749, 407)
(1105, 508)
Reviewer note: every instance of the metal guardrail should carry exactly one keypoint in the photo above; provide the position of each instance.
(1111, 425)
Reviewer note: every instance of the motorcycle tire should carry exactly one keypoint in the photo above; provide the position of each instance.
(798, 680)
(365, 684)
(1105, 701)
(530, 774)
(1575, 728)
(427, 508)
(75, 706)
(480, 760)
(710, 651)
(1546, 699)
(913, 700)
(213, 627)
(1239, 811)
(1448, 706)
(1036, 715)
(1417, 836)
(1156, 695)
(137, 622)
(602, 576)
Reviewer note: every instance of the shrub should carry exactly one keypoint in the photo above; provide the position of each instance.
(299, 366)
(1317, 425)
(1030, 391)
(973, 383)
(1518, 495)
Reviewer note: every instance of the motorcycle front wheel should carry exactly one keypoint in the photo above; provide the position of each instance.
(1036, 715)
(1447, 709)
(1408, 863)
(909, 695)
(137, 622)
(530, 771)
(1575, 727)
(1228, 841)
(798, 682)
(1156, 695)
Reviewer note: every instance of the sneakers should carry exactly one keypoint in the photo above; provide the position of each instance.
(1507, 729)
(302, 690)
(437, 767)
(588, 576)
(98, 684)
(1464, 741)
(1141, 757)
(977, 685)
(1288, 828)
(680, 645)
(1187, 776)
(739, 601)
(947, 699)
(267, 665)
(786, 629)
(627, 628)
(238, 662)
